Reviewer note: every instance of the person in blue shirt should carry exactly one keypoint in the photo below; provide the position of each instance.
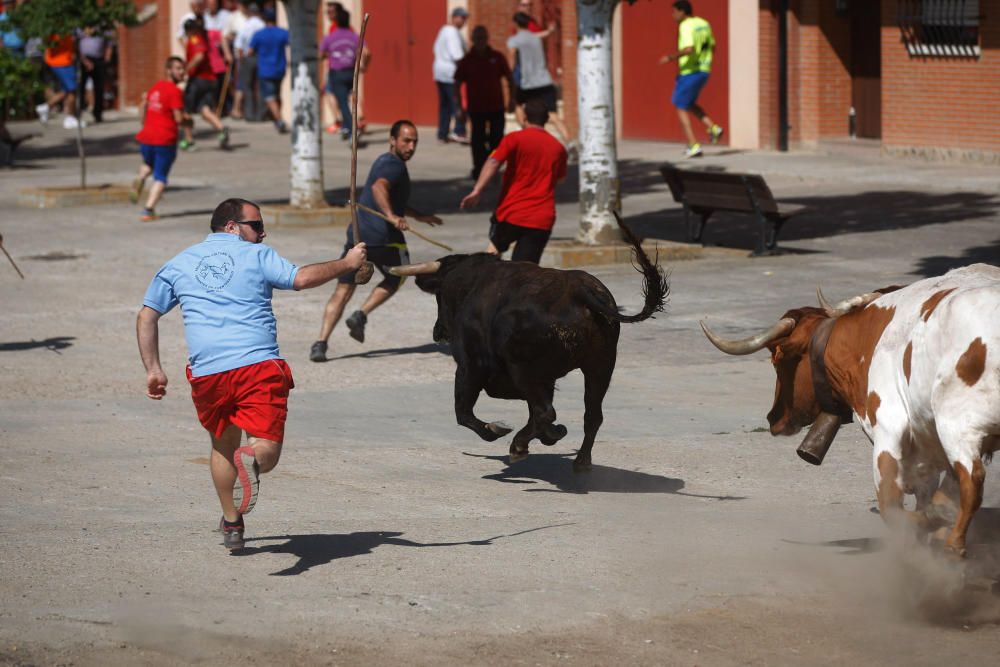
(387, 190)
(11, 39)
(269, 44)
(239, 382)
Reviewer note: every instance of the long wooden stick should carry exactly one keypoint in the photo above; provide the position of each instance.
(12, 262)
(411, 230)
(225, 90)
(367, 270)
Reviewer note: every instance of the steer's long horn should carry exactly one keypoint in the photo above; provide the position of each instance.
(415, 269)
(847, 305)
(750, 345)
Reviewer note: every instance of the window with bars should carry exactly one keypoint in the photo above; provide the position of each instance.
(940, 28)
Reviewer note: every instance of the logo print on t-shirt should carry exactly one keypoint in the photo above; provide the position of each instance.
(215, 271)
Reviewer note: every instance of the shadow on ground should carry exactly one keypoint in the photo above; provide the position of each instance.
(938, 264)
(54, 344)
(832, 215)
(557, 470)
(426, 348)
(320, 549)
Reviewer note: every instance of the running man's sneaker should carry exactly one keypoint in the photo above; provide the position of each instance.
(42, 110)
(280, 126)
(185, 145)
(224, 138)
(318, 351)
(333, 127)
(247, 481)
(716, 132)
(694, 150)
(458, 138)
(232, 535)
(356, 325)
(71, 123)
(149, 215)
(135, 192)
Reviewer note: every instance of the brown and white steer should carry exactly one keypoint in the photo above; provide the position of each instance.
(919, 367)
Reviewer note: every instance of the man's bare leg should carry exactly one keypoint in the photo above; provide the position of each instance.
(335, 309)
(237, 111)
(140, 181)
(560, 127)
(378, 296)
(209, 115)
(702, 116)
(274, 109)
(224, 470)
(685, 119)
(155, 193)
(267, 453)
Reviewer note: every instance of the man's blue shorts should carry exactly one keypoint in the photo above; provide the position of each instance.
(687, 88)
(66, 76)
(160, 159)
(269, 88)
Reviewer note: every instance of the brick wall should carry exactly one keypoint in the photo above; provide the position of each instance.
(142, 52)
(768, 41)
(939, 103)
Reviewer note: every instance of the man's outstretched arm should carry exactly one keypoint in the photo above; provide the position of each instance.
(148, 332)
(314, 275)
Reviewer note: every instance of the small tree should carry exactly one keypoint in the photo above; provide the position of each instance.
(48, 19)
(306, 168)
(19, 83)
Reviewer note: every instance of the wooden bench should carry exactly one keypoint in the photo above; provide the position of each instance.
(702, 193)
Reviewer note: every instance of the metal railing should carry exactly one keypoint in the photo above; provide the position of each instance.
(940, 28)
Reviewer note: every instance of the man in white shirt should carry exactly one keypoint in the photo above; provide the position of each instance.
(246, 79)
(536, 82)
(449, 48)
(197, 12)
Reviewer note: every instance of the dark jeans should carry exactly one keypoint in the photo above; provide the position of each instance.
(529, 242)
(339, 83)
(97, 76)
(487, 131)
(448, 108)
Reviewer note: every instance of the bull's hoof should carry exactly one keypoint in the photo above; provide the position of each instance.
(581, 466)
(939, 514)
(553, 434)
(495, 430)
(517, 455)
(954, 550)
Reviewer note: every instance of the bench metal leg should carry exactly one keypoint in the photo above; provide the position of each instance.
(695, 228)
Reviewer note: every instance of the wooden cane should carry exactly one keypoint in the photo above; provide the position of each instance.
(367, 270)
(12, 262)
(412, 230)
(225, 89)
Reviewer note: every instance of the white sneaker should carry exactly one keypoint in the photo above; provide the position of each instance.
(42, 110)
(71, 123)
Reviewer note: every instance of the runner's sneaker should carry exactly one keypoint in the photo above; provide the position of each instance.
(135, 192)
(232, 534)
(185, 145)
(318, 351)
(245, 489)
(694, 150)
(42, 110)
(224, 138)
(333, 127)
(716, 132)
(71, 123)
(149, 215)
(356, 325)
(280, 126)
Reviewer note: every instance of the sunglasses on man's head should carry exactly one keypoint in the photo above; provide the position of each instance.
(256, 225)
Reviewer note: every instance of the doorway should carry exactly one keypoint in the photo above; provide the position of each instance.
(866, 67)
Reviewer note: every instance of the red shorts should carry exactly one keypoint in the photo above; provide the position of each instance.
(254, 398)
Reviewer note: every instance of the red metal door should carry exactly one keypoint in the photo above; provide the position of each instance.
(649, 32)
(399, 82)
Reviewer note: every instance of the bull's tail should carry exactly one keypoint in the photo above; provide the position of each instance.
(655, 287)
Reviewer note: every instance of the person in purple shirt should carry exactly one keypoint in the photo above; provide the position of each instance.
(340, 49)
(95, 53)
(239, 382)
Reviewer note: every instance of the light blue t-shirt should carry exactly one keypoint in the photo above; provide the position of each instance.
(224, 286)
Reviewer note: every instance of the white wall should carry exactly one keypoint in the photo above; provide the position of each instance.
(744, 74)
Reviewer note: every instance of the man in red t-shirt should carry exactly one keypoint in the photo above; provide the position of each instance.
(536, 162)
(199, 95)
(483, 70)
(162, 110)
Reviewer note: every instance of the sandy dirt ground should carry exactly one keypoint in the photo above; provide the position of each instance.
(389, 535)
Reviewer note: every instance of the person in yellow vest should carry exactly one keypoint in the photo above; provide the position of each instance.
(695, 45)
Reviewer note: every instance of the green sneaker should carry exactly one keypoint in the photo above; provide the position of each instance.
(715, 133)
(135, 192)
(694, 150)
(185, 145)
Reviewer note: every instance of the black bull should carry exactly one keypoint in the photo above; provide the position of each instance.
(515, 328)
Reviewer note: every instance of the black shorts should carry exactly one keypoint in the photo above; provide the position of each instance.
(546, 94)
(199, 93)
(530, 242)
(383, 257)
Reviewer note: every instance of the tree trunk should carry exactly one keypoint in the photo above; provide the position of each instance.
(600, 189)
(307, 152)
(79, 126)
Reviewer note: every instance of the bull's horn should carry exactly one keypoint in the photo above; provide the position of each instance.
(847, 305)
(750, 345)
(823, 303)
(415, 269)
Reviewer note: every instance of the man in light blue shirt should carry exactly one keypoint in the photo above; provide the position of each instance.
(239, 382)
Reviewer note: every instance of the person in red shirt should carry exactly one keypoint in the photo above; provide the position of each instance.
(162, 110)
(199, 95)
(483, 70)
(536, 163)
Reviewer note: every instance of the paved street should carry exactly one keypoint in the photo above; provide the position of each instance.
(389, 535)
